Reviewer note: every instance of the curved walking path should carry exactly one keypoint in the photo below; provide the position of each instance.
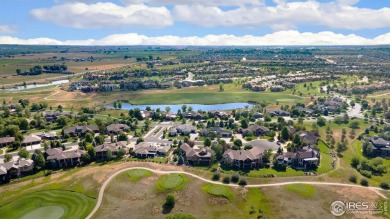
(105, 184)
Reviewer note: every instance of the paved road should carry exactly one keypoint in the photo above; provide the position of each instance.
(105, 184)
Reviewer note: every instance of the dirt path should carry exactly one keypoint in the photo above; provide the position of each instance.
(47, 98)
(105, 184)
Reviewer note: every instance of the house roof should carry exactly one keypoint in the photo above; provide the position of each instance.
(264, 144)
(67, 155)
(7, 140)
(114, 147)
(53, 151)
(242, 155)
(117, 127)
(3, 171)
(31, 139)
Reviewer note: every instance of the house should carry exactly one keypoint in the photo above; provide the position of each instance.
(146, 114)
(46, 135)
(220, 114)
(14, 169)
(58, 158)
(101, 150)
(192, 115)
(4, 142)
(183, 129)
(258, 115)
(243, 158)
(218, 130)
(304, 158)
(170, 117)
(308, 138)
(277, 112)
(52, 116)
(149, 150)
(304, 110)
(276, 88)
(380, 146)
(81, 130)
(115, 129)
(31, 140)
(201, 156)
(257, 130)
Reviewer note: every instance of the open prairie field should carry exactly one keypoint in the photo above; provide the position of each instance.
(145, 199)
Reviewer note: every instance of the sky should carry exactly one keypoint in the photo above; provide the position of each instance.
(195, 22)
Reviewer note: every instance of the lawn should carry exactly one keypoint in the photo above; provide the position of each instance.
(172, 181)
(136, 175)
(49, 204)
(219, 190)
(301, 189)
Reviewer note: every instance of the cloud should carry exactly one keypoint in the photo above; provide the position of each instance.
(107, 14)
(281, 38)
(340, 14)
(6, 28)
(200, 2)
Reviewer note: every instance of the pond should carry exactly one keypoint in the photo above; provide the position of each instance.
(195, 107)
(32, 86)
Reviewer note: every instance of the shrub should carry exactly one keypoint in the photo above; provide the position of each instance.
(355, 162)
(216, 176)
(235, 177)
(364, 182)
(242, 182)
(365, 173)
(170, 201)
(384, 185)
(353, 178)
(226, 180)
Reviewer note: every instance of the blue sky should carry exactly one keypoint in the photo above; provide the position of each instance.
(61, 21)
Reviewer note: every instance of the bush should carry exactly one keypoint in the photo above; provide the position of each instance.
(353, 178)
(226, 180)
(235, 177)
(216, 176)
(170, 201)
(242, 182)
(364, 182)
(384, 185)
(355, 162)
(365, 173)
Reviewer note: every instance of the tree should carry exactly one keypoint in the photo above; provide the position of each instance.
(23, 153)
(216, 176)
(221, 87)
(109, 154)
(355, 162)
(85, 158)
(284, 134)
(7, 158)
(121, 153)
(207, 142)
(244, 123)
(237, 142)
(242, 182)
(123, 137)
(354, 125)
(62, 121)
(226, 180)
(168, 109)
(184, 108)
(89, 138)
(91, 152)
(18, 71)
(39, 161)
(321, 121)
(235, 178)
(170, 201)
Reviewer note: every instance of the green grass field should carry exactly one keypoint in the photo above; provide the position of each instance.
(219, 190)
(301, 189)
(136, 175)
(52, 204)
(171, 182)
